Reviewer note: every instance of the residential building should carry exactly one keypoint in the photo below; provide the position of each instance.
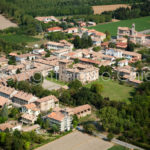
(123, 54)
(122, 63)
(55, 29)
(24, 57)
(4, 101)
(38, 51)
(89, 61)
(122, 40)
(62, 119)
(126, 72)
(90, 23)
(11, 126)
(22, 98)
(3, 61)
(7, 92)
(47, 19)
(72, 30)
(30, 128)
(59, 53)
(95, 33)
(79, 111)
(133, 35)
(82, 24)
(47, 103)
(30, 109)
(96, 41)
(84, 73)
(58, 46)
(28, 118)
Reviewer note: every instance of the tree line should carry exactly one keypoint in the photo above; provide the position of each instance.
(137, 10)
(62, 7)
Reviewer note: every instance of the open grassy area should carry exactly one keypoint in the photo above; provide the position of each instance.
(141, 24)
(114, 90)
(118, 147)
(15, 38)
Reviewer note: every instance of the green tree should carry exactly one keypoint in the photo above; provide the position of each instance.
(37, 78)
(130, 46)
(75, 121)
(112, 45)
(109, 117)
(27, 145)
(89, 128)
(76, 84)
(97, 88)
(110, 136)
(55, 128)
(4, 112)
(14, 113)
(18, 71)
(97, 48)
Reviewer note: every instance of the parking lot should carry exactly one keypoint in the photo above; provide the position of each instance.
(50, 85)
(77, 141)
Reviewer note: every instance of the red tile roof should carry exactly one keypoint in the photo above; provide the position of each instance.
(55, 29)
(56, 116)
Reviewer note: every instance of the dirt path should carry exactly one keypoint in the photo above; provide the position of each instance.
(5, 23)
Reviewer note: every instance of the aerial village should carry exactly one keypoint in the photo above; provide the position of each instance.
(69, 64)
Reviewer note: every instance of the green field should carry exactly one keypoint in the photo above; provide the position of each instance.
(114, 90)
(118, 147)
(140, 25)
(15, 38)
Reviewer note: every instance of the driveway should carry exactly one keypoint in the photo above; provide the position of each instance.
(77, 141)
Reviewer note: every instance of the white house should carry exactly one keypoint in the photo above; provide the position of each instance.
(62, 119)
(122, 63)
(38, 51)
(30, 109)
(23, 57)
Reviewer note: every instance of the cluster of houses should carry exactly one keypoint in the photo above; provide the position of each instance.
(63, 62)
(31, 106)
(48, 19)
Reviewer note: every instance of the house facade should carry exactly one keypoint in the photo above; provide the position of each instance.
(7, 92)
(30, 109)
(133, 35)
(22, 98)
(58, 46)
(84, 73)
(47, 103)
(62, 119)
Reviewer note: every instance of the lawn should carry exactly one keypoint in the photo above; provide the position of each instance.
(141, 24)
(114, 90)
(15, 38)
(118, 147)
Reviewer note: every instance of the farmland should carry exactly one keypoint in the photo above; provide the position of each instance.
(102, 8)
(141, 24)
(17, 38)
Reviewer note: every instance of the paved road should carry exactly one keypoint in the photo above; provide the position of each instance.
(116, 141)
(145, 31)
